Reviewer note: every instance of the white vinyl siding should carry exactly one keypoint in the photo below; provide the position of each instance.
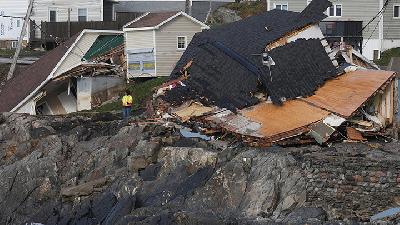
(167, 54)
(41, 8)
(139, 39)
(75, 57)
(10, 29)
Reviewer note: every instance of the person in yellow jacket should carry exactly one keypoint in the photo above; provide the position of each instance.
(127, 102)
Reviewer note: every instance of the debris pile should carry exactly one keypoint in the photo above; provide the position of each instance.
(273, 79)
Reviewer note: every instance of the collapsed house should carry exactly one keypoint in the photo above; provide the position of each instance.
(273, 79)
(79, 74)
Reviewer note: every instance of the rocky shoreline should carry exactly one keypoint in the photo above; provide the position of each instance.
(81, 170)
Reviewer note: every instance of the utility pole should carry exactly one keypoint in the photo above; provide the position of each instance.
(21, 38)
(69, 22)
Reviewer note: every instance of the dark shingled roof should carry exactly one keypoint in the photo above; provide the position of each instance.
(23, 84)
(152, 19)
(227, 63)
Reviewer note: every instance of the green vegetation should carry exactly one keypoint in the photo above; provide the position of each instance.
(248, 8)
(387, 55)
(140, 92)
(8, 53)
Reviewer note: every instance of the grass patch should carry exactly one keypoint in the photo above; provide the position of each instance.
(246, 9)
(9, 53)
(387, 55)
(140, 92)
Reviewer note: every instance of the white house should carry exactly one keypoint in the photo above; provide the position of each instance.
(11, 21)
(155, 42)
(71, 10)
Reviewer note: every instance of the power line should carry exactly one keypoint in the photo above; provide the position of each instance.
(377, 24)
(376, 16)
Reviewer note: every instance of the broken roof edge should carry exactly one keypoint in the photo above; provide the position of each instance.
(383, 86)
(50, 76)
(178, 13)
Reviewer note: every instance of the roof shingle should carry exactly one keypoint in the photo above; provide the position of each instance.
(227, 64)
(151, 19)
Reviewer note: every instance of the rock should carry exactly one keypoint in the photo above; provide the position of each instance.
(84, 189)
(135, 163)
(80, 170)
(224, 15)
(122, 208)
(150, 173)
(304, 214)
(171, 157)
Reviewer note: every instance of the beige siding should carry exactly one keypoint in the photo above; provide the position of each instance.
(391, 26)
(139, 39)
(75, 56)
(361, 10)
(167, 54)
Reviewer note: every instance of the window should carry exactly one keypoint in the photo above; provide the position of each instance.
(53, 15)
(181, 43)
(135, 65)
(82, 15)
(149, 65)
(281, 6)
(335, 10)
(18, 23)
(376, 54)
(14, 44)
(396, 11)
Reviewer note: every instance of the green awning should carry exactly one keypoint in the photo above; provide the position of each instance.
(102, 45)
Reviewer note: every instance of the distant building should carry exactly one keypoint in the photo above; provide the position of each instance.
(200, 9)
(154, 42)
(11, 20)
(346, 18)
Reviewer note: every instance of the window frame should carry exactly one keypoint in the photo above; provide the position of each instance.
(53, 10)
(177, 43)
(86, 16)
(394, 7)
(282, 4)
(335, 11)
(14, 43)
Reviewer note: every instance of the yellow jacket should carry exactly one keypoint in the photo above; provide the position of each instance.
(127, 100)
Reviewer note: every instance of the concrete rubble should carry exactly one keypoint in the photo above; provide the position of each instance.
(79, 170)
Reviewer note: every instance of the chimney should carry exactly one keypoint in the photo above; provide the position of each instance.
(188, 7)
